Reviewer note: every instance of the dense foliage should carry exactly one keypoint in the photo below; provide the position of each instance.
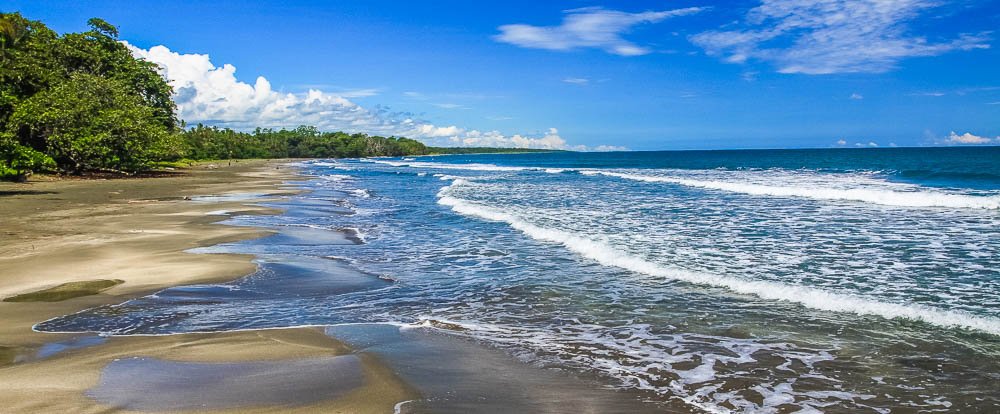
(203, 142)
(81, 102)
(78, 102)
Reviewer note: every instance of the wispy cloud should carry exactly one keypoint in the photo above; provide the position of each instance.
(857, 96)
(831, 36)
(449, 106)
(577, 81)
(591, 27)
(212, 95)
(358, 93)
(415, 95)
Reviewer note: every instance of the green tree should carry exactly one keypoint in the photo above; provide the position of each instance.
(42, 114)
(93, 123)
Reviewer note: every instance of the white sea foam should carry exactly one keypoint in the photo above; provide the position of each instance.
(336, 177)
(360, 192)
(608, 255)
(919, 197)
(356, 232)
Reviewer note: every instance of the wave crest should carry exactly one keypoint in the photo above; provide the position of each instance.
(919, 198)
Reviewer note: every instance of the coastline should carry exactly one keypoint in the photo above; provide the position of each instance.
(137, 231)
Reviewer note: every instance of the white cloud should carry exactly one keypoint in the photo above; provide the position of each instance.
(968, 138)
(577, 81)
(872, 144)
(358, 93)
(591, 27)
(212, 95)
(857, 96)
(841, 142)
(414, 95)
(475, 138)
(448, 105)
(831, 36)
(608, 148)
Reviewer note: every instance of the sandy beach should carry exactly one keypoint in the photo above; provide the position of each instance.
(116, 239)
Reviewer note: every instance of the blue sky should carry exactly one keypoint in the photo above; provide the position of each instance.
(637, 74)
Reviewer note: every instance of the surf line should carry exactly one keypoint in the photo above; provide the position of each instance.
(820, 299)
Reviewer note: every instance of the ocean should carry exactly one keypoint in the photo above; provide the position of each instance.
(841, 280)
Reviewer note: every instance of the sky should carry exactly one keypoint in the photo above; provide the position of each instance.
(583, 75)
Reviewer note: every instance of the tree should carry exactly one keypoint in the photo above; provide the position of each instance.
(93, 123)
(81, 100)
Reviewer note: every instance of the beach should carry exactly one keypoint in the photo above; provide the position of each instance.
(555, 283)
(135, 231)
(75, 245)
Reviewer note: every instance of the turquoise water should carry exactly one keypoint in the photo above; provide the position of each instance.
(765, 281)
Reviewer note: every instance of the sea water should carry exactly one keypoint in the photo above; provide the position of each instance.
(762, 281)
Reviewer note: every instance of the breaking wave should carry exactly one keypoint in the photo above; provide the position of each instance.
(888, 197)
(606, 254)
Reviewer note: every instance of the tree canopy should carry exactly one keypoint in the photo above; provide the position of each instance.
(78, 102)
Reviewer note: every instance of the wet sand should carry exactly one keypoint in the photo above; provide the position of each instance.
(89, 380)
(59, 236)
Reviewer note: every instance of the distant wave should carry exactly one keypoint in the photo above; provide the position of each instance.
(920, 198)
(608, 255)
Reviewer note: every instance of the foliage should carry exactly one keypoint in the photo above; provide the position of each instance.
(79, 102)
(92, 123)
(204, 142)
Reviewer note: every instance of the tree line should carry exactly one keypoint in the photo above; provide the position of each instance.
(208, 142)
(78, 103)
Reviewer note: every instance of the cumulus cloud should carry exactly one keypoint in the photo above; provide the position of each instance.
(841, 142)
(968, 138)
(591, 27)
(857, 96)
(831, 36)
(212, 95)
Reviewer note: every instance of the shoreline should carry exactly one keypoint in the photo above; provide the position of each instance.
(138, 231)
